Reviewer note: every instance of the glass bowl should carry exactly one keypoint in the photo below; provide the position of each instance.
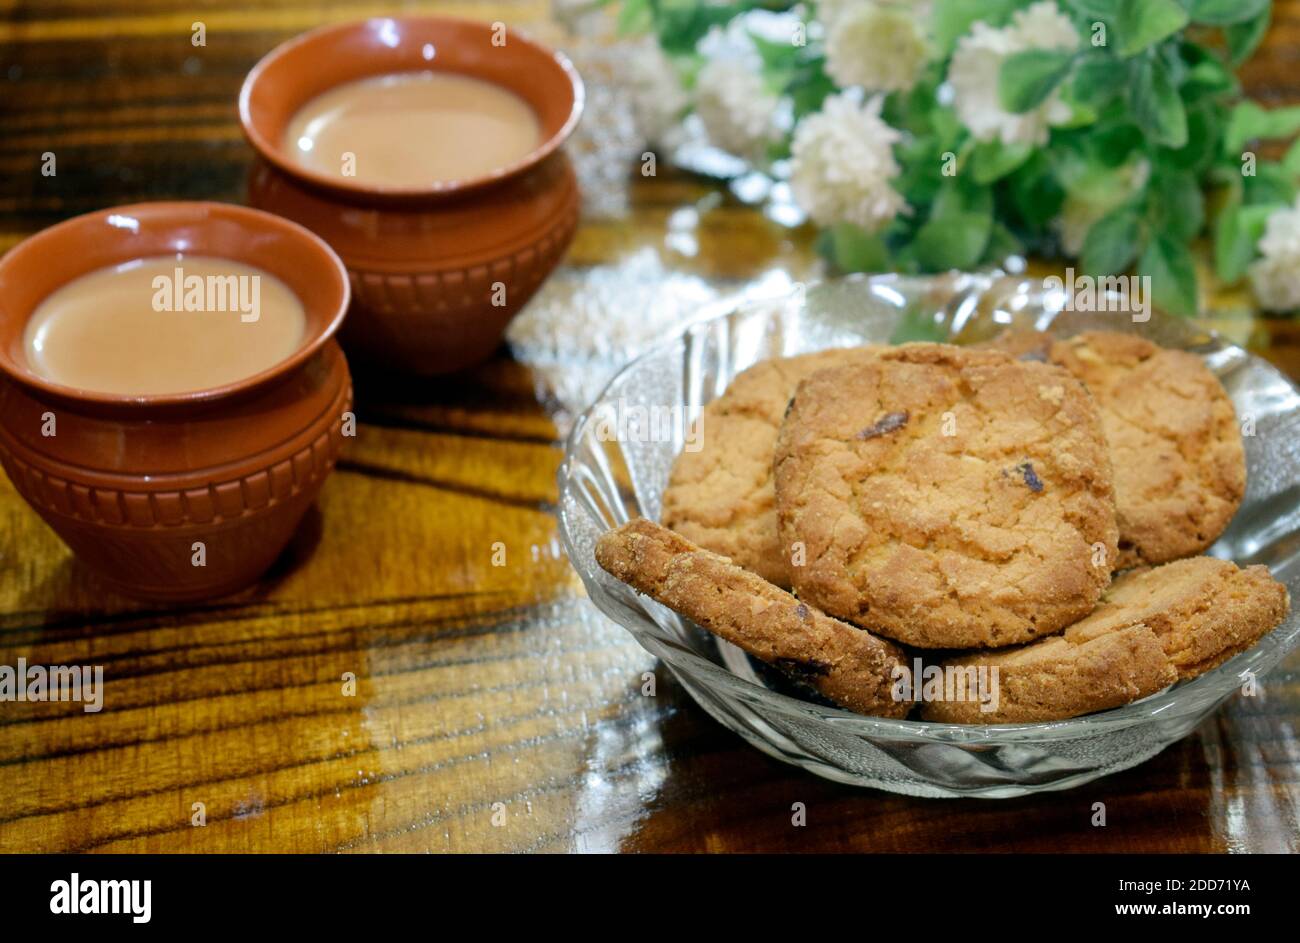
(618, 457)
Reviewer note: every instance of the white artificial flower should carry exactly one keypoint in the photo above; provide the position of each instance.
(1275, 276)
(880, 46)
(738, 111)
(657, 97)
(842, 164)
(977, 63)
(1093, 196)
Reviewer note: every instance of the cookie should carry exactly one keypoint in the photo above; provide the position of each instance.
(1154, 627)
(721, 496)
(1021, 343)
(1203, 610)
(848, 665)
(1079, 672)
(1180, 469)
(947, 497)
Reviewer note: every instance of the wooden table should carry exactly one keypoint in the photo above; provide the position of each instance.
(495, 709)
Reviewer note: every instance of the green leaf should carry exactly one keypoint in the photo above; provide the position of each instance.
(1270, 184)
(919, 158)
(809, 87)
(948, 129)
(912, 111)
(1112, 243)
(1114, 145)
(634, 16)
(1028, 77)
(1244, 38)
(1236, 236)
(1173, 275)
(960, 223)
(1099, 80)
(1080, 116)
(993, 160)
(1176, 59)
(1248, 122)
(1179, 204)
(1098, 9)
(853, 249)
(1291, 161)
(1036, 192)
(681, 25)
(1157, 107)
(1143, 23)
(1003, 244)
(1202, 139)
(1208, 77)
(1225, 12)
(952, 19)
(776, 57)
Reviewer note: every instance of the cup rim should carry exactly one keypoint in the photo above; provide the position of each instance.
(275, 156)
(258, 218)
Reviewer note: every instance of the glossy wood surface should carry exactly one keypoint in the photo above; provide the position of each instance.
(494, 708)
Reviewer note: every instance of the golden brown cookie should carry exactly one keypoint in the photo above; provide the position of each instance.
(1063, 676)
(1021, 343)
(1180, 470)
(1154, 627)
(1203, 610)
(848, 665)
(947, 497)
(721, 496)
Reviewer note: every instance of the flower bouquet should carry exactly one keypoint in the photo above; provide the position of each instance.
(953, 134)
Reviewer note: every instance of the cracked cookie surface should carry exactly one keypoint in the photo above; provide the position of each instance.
(1153, 627)
(721, 497)
(1180, 469)
(846, 664)
(947, 497)
(1204, 610)
(1059, 677)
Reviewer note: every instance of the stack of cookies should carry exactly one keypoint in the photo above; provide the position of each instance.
(1031, 512)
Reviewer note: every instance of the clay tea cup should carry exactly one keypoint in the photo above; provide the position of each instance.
(175, 496)
(437, 270)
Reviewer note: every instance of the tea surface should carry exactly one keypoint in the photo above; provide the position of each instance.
(413, 129)
(164, 324)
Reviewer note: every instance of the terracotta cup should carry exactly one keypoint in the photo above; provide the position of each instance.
(134, 484)
(437, 272)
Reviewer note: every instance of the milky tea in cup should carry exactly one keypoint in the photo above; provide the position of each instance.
(410, 130)
(164, 325)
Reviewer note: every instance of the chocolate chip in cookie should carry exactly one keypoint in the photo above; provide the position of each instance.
(979, 521)
(721, 496)
(1180, 469)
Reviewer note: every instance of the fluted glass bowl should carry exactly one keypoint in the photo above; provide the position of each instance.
(620, 451)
